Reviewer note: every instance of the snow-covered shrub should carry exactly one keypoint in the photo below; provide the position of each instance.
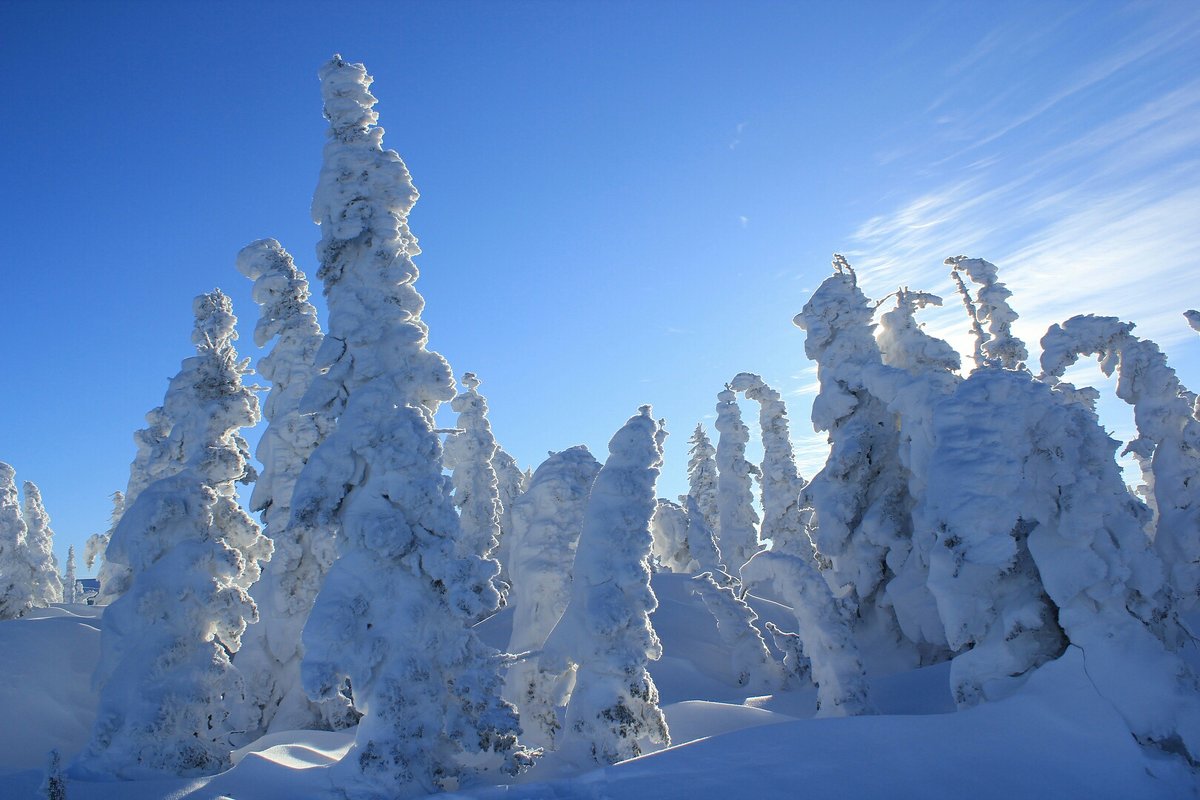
(783, 522)
(737, 530)
(605, 632)
(169, 696)
(269, 660)
(393, 616)
(824, 631)
(546, 523)
(752, 664)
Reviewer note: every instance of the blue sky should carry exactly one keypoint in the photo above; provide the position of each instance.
(621, 202)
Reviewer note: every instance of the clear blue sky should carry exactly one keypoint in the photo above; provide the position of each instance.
(621, 202)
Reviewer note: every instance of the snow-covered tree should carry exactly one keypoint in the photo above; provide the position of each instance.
(39, 549)
(669, 527)
(702, 476)
(902, 343)
(783, 522)
(860, 497)
(469, 454)
(1168, 441)
(823, 628)
(752, 663)
(16, 581)
(605, 632)
(70, 583)
(737, 530)
(96, 546)
(702, 543)
(510, 483)
(546, 522)
(269, 660)
(54, 786)
(996, 345)
(168, 694)
(393, 615)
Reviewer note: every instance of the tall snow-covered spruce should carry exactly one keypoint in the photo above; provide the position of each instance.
(468, 455)
(737, 528)
(39, 549)
(393, 616)
(70, 582)
(16, 581)
(169, 697)
(605, 632)
(702, 476)
(270, 656)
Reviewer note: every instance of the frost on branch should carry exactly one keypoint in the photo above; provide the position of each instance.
(169, 697)
(393, 616)
(39, 550)
(737, 530)
(546, 523)
(837, 670)
(605, 631)
(269, 660)
(1168, 443)
(782, 522)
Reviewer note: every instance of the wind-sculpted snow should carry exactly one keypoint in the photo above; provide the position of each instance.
(269, 660)
(737, 530)
(782, 522)
(169, 698)
(392, 618)
(605, 631)
(546, 523)
(824, 630)
(1168, 443)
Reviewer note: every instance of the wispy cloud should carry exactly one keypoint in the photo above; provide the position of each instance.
(737, 136)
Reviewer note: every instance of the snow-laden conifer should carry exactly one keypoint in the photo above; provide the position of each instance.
(393, 615)
(823, 628)
(605, 631)
(737, 530)
(860, 496)
(702, 544)
(16, 579)
(1168, 441)
(70, 582)
(469, 454)
(996, 345)
(752, 664)
(269, 660)
(546, 523)
(702, 476)
(782, 523)
(902, 343)
(169, 696)
(39, 549)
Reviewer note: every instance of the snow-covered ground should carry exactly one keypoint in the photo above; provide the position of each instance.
(1054, 738)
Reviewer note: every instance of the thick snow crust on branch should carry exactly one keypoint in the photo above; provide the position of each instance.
(737, 530)
(782, 522)
(16, 578)
(469, 455)
(393, 615)
(905, 346)
(1168, 441)
(752, 664)
(605, 632)
(269, 660)
(168, 693)
(824, 630)
(546, 523)
(39, 549)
